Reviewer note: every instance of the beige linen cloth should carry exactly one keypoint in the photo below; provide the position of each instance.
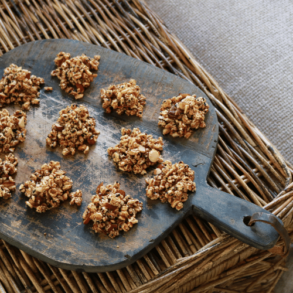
(247, 46)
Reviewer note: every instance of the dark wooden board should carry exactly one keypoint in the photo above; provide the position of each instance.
(71, 245)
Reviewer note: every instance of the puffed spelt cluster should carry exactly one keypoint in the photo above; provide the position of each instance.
(124, 97)
(47, 187)
(180, 115)
(12, 130)
(111, 211)
(7, 183)
(18, 86)
(171, 184)
(74, 130)
(75, 73)
(136, 151)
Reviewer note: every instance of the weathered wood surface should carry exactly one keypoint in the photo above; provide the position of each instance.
(70, 244)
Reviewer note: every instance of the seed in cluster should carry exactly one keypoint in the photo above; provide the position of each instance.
(136, 151)
(12, 130)
(75, 74)
(180, 115)
(111, 210)
(18, 86)
(124, 97)
(74, 130)
(7, 183)
(171, 184)
(47, 188)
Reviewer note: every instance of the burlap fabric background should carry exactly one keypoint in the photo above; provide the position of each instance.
(248, 47)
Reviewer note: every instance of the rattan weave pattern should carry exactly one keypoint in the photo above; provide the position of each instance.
(196, 256)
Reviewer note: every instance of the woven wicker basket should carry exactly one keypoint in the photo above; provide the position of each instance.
(196, 256)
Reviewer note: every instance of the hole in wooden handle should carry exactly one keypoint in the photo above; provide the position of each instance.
(246, 220)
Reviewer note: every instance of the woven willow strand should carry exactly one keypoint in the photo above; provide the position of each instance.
(196, 255)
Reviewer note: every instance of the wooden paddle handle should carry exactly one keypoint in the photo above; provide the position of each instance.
(232, 215)
(274, 222)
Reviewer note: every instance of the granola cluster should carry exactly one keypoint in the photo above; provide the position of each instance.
(47, 187)
(18, 86)
(76, 197)
(111, 211)
(171, 184)
(75, 73)
(12, 130)
(180, 115)
(74, 130)
(7, 183)
(124, 97)
(136, 151)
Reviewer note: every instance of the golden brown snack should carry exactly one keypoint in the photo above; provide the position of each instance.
(47, 187)
(75, 74)
(171, 184)
(180, 115)
(111, 211)
(136, 151)
(7, 183)
(74, 130)
(124, 97)
(18, 86)
(76, 197)
(12, 130)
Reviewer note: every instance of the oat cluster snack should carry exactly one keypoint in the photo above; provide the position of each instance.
(12, 130)
(47, 187)
(74, 130)
(7, 183)
(136, 151)
(124, 97)
(75, 73)
(18, 86)
(180, 115)
(171, 184)
(111, 211)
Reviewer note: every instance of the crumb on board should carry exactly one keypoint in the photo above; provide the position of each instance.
(76, 197)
